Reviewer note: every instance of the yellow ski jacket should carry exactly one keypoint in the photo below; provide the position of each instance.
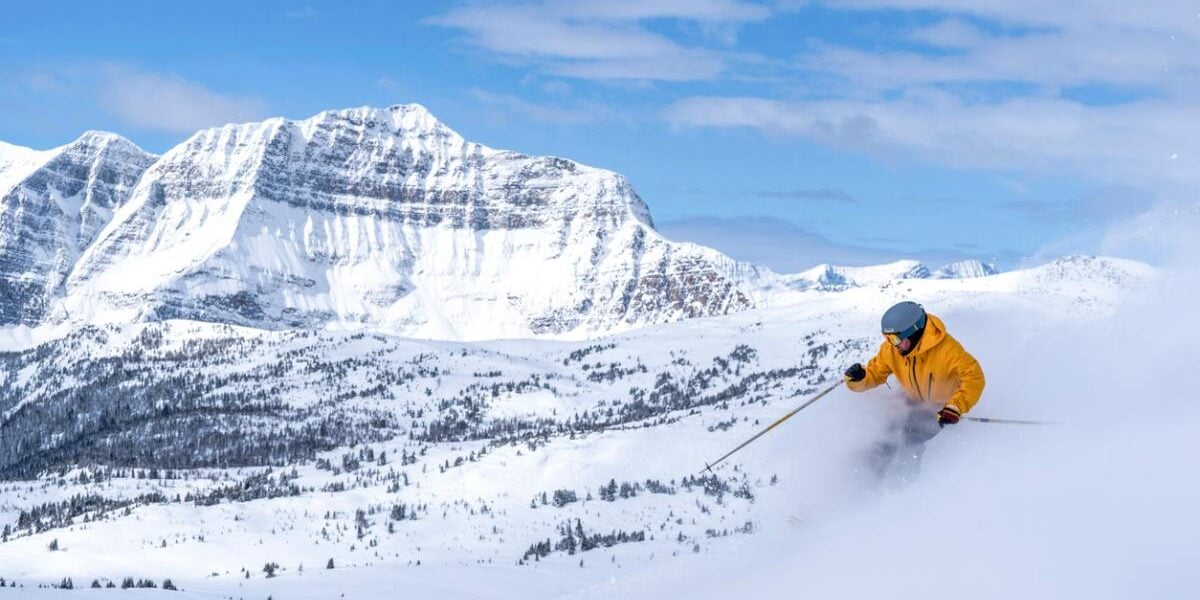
(937, 372)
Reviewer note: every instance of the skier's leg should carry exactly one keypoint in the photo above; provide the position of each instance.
(920, 426)
(880, 457)
(882, 454)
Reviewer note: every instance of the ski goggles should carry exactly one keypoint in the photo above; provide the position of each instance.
(896, 337)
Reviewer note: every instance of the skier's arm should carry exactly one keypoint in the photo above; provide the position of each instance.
(877, 372)
(971, 381)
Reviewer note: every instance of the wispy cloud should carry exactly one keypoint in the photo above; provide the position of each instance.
(1128, 143)
(951, 33)
(594, 39)
(536, 112)
(1107, 92)
(169, 102)
(1047, 59)
(1150, 14)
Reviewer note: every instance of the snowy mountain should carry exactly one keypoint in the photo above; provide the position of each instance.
(365, 219)
(828, 277)
(53, 204)
(387, 219)
(965, 269)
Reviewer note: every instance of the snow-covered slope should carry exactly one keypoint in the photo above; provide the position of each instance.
(424, 465)
(52, 205)
(386, 218)
(16, 163)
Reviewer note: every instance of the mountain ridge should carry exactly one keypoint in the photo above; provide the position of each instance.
(54, 203)
(387, 218)
(381, 219)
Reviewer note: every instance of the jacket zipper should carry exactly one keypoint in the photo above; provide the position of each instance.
(916, 382)
(929, 390)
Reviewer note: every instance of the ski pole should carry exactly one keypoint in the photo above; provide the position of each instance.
(708, 467)
(1010, 421)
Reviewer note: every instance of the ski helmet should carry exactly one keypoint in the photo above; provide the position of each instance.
(902, 321)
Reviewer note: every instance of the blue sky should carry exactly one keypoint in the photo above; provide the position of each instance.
(788, 133)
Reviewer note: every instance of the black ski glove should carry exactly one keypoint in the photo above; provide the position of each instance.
(856, 372)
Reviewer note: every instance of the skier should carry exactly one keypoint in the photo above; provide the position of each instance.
(941, 379)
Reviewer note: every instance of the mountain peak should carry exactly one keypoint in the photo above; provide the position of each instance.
(385, 217)
(397, 119)
(55, 202)
(94, 142)
(96, 136)
(965, 269)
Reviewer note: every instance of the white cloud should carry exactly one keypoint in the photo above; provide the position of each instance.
(604, 40)
(1150, 47)
(1147, 14)
(950, 33)
(1127, 143)
(1052, 60)
(1024, 86)
(556, 87)
(168, 102)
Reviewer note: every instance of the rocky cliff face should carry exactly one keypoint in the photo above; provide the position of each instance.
(52, 206)
(386, 218)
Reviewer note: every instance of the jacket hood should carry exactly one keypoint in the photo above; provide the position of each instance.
(935, 332)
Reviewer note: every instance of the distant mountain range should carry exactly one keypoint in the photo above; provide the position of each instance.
(380, 219)
(833, 278)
